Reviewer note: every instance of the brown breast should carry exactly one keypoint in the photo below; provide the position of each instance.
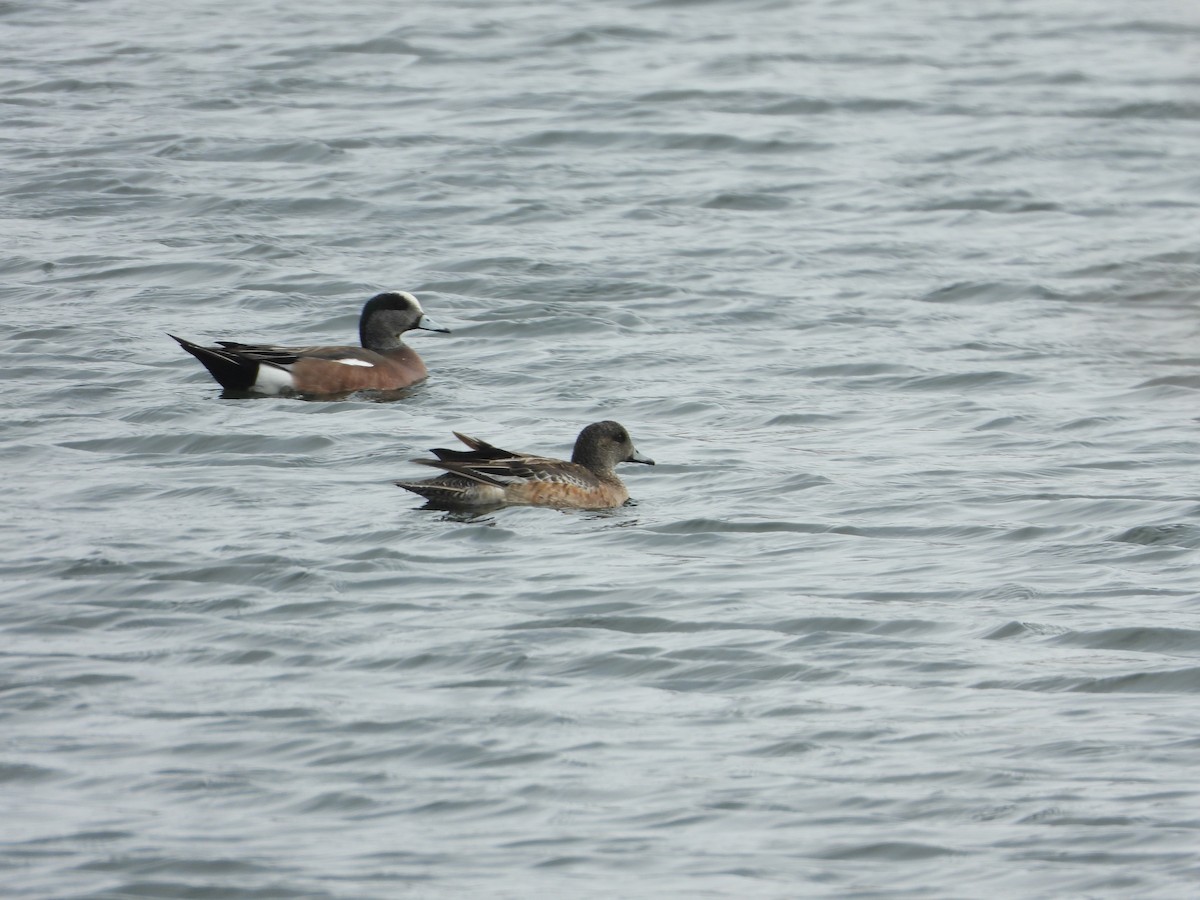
(389, 371)
(605, 495)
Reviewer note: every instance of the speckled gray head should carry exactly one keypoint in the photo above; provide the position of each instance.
(386, 317)
(604, 444)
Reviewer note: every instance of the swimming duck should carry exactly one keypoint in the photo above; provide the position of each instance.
(383, 362)
(486, 476)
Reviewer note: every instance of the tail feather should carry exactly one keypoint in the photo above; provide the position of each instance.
(438, 491)
(427, 488)
(232, 371)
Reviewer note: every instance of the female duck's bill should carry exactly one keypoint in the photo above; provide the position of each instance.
(486, 476)
(383, 362)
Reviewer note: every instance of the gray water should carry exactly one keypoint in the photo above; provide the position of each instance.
(904, 298)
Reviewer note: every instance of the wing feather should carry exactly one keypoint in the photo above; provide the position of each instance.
(463, 470)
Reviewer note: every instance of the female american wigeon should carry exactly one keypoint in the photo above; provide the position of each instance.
(383, 362)
(486, 476)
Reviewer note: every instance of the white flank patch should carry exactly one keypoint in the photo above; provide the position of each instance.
(354, 362)
(273, 380)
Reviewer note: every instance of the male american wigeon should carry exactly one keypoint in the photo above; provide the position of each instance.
(383, 362)
(486, 476)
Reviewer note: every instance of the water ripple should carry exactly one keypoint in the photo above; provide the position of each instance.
(902, 302)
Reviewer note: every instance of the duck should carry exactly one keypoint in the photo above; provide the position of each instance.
(383, 362)
(486, 476)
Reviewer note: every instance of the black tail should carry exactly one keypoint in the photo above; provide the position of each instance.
(232, 371)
